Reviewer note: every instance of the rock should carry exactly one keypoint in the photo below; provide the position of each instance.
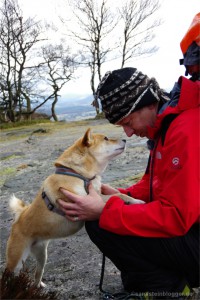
(40, 130)
(10, 154)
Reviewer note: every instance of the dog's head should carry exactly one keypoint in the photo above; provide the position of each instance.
(91, 153)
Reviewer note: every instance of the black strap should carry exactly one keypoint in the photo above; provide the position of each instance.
(51, 206)
(70, 172)
(114, 296)
(165, 126)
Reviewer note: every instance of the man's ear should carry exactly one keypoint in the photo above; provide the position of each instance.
(87, 139)
(153, 106)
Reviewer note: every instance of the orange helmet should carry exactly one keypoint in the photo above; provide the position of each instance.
(190, 46)
(192, 35)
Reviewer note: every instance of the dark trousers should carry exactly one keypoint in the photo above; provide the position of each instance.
(151, 264)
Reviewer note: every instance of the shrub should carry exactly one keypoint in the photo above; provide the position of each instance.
(22, 287)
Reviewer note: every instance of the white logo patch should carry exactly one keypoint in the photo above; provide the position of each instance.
(175, 161)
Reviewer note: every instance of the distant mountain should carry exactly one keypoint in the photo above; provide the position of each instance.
(74, 104)
(74, 100)
(72, 108)
(65, 109)
(71, 104)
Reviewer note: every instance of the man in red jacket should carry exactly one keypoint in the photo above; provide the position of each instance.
(154, 245)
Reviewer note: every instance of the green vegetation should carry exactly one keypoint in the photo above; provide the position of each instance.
(9, 157)
(21, 130)
(29, 123)
(5, 173)
(23, 123)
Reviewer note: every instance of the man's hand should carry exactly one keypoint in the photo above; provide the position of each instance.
(84, 208)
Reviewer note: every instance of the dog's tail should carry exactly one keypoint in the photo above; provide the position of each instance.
(16, 206)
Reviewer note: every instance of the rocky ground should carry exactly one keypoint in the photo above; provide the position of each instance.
(27, 157)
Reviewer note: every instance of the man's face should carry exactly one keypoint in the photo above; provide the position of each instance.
(138, 121)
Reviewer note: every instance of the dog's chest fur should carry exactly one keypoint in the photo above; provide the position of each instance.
(96, 182)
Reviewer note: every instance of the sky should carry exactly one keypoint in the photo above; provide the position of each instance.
(163, 65)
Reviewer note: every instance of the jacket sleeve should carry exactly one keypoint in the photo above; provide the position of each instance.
(175, 206)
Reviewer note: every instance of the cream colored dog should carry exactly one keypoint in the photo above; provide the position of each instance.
(42, 220)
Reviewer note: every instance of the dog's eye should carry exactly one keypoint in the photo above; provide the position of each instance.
(105, 138)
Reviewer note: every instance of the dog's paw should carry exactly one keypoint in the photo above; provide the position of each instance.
(42, 284)
(129, 200)
(136, 201)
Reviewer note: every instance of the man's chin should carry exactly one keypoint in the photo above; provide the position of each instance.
(141, 135)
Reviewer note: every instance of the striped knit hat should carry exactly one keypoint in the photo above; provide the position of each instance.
(124, 91)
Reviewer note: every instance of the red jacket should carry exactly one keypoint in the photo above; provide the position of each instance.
(176, 174)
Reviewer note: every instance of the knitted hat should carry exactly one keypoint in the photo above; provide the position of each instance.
(124, 91)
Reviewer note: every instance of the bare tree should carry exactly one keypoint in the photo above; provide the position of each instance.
(28, 79)
(59, 69)
(96, 22)
(105, 31)
(17, 38)
(139, 26)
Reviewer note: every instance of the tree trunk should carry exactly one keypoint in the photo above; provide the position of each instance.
(54, 116)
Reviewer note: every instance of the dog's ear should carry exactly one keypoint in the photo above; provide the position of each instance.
(86, 141)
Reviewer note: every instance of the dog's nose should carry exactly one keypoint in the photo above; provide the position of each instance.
(124, 141)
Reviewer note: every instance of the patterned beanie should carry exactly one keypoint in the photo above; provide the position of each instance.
(124, 91)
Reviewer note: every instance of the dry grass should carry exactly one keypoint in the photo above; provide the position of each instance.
(22, 287)
(24, 130)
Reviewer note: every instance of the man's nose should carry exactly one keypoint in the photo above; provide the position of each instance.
(129, 131)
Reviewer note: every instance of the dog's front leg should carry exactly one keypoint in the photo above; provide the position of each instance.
(127, 199)
(39, 250)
